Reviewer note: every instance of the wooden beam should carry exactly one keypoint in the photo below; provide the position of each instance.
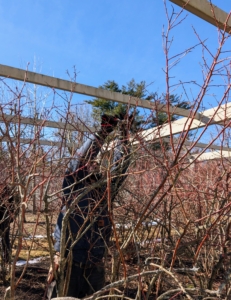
(208, 12)
(189, 144)
(216, 115)
(5, 118)
(74, 87)
(50, 143)
(39, 142)
(210, 156)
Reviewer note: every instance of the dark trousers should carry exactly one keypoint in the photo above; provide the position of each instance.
(83, 281)
(5, 237)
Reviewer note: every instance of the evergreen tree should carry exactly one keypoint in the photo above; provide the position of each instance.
(160, 118)
(101, 106)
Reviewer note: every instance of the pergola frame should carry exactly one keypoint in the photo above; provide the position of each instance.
(201, 8)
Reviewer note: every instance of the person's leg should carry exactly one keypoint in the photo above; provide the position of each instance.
(95, 278)
(77, 285)
(82, 282)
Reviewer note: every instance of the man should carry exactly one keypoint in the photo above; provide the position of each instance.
(88, 194)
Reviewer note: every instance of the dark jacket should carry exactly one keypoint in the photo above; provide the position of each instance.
(91, 209)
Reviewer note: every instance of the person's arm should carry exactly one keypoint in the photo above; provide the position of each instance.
(94, 141)
(57, 237)
(50, 277)
(80, 155)
(57, 231)
(77, 167)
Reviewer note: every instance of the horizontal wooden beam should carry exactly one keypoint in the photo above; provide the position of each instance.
(74, 87)
(208, 12)
(203, 145)
(39, 142)
(190, 144)
(5, 118)
(216, 115)
(50, 143)
(210, 155)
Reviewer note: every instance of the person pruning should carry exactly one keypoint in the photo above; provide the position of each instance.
(83, 226)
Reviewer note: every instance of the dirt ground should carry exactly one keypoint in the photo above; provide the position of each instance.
(33, 285)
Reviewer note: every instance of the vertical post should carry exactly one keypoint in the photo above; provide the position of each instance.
(34, 178)
(34, 144)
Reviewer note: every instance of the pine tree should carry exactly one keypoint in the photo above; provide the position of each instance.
(101, 106)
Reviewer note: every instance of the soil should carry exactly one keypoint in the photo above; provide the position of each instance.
(33, 284)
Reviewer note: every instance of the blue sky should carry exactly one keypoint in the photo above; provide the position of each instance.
(116, 40)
